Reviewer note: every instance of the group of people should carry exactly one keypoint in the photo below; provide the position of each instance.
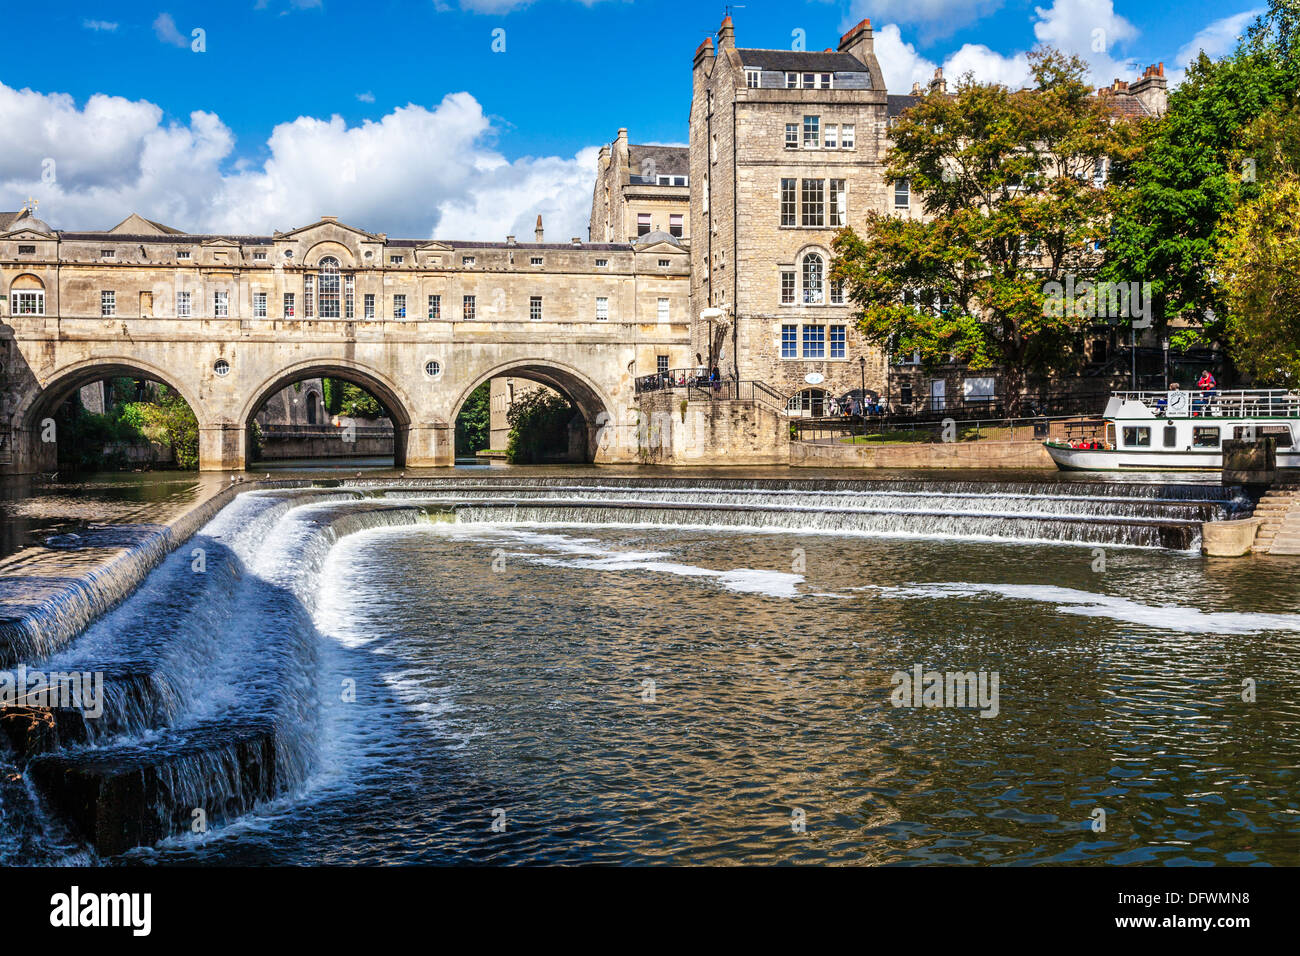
(852, 407)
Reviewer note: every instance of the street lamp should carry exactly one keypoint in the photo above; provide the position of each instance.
(862, 392)
(1164, 344)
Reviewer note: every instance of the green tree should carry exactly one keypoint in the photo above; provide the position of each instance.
(1006, 177)
(1189, 173)
(539, 426)
(474, 423)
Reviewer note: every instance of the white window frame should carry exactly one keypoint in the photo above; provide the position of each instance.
(664, 310)
(35, 296)
(399, 305)
(107, 302)
(602, 308)
(184, 305)
(220, 304)
(259, 305)
(535, 308)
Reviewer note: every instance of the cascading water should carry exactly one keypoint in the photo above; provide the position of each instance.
(212, 668)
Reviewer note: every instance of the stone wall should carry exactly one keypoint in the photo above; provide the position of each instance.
(973, 455)
(676, 430)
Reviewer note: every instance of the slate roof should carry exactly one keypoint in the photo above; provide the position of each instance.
(802, 61)
(668, 160)
(6, 218)
(898, 102)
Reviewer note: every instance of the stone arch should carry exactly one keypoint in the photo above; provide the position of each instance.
(591, 400)
(398, 403)
(39, 404)
(327, 248)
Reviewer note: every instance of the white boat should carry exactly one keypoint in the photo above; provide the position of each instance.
(1183, 430)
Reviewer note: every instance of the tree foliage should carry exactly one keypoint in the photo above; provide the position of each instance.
(1007, 179)
(539, 426)
(474, 423)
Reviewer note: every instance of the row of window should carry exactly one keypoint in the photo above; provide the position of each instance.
(676, 226)
(814, 340)
(1203, 436)
(814, 203)
(32, 302)
(793, 81)
(812, 135)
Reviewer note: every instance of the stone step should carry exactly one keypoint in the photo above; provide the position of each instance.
(1285, 549)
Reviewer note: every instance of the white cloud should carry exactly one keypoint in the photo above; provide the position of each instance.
(416, 172)
(99, 25)
(366, 97)
(165, 29)
(1216, 40)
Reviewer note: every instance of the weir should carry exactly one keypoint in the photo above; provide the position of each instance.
(212, 700)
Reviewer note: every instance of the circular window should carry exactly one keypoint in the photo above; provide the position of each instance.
(432, 369)
(288, 253)
(221, 367)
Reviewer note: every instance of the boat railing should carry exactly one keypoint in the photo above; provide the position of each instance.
(1218, 403)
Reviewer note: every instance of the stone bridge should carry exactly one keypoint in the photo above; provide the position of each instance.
(227, 321)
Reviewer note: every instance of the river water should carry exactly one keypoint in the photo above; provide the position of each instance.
(592, 669)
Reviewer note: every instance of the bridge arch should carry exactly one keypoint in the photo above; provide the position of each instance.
(590, 399)
(40, 404)
(400, 406)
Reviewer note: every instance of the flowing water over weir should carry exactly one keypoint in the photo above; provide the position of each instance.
(215, 701)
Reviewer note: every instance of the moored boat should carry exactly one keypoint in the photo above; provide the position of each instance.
(1183, 430)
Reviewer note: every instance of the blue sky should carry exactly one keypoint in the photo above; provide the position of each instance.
(571, 74)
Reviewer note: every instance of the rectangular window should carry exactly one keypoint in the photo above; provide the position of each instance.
(601, 263)
(753, 78)
(1171, 436)
(602, 309)
(661, 364)
(787, 287)
(399, 306)
(809, 81)
(663, 310)
(435, 307)
(839, 341)
(791, 135)
(847, 133)
(221, 304)
(349, 297)
(259, 256)
(642, 223)
(535, 261)
(814, 202)
(397, 260)
(837, 292)
(368, 306)
(832, 138)
(182, 304)
(676, 225)
(836, 212)
(902, 194)
(1099, 173)
(814, 341)
(108, 303)
(535, 308)
(792, 81)
(27, 250)
(182, 253)
(1137, 437)
(259, 305)
(30, 302)
(467, 308)
(825, 83)
(308, 296)
(789, 341)
(812, 132)
(467, 260)
(1205, 437)
(288, 306)
(107, 254)
(789, 203)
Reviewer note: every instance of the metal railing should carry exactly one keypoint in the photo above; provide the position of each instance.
(866, 429)
(1241, 403)
(699, 387)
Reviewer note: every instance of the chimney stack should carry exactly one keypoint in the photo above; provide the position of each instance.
(726, 34)
(538, 231)
(859, 43)
(938, 84)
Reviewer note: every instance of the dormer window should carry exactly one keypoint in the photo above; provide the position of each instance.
(397, 260)
(672, 180)
(182, 253)
(753, 78)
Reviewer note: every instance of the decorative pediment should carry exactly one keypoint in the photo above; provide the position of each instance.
(323, 223)
(136, 225)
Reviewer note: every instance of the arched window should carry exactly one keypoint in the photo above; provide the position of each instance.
(814, 279)
(811, 401)
(311, 408)
(328, 287)
(27, 296)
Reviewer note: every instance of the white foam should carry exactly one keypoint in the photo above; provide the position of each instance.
(1170, 617)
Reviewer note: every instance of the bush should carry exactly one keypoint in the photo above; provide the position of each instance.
(539, 427)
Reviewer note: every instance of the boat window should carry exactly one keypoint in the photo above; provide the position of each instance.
(1203, 437)
(1171, 436)
(1135, 437)
(1254, 432)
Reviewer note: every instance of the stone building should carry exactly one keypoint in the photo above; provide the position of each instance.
(640, 190)
(786, 148)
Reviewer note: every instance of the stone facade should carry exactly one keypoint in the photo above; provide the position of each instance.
(786, 147)
(229, 321)
(505, 391)
(640, 190)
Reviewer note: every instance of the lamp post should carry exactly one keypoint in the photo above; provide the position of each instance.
(862, 391)
(1164, 344)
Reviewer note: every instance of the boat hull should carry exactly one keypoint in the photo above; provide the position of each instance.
(1090, 459)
